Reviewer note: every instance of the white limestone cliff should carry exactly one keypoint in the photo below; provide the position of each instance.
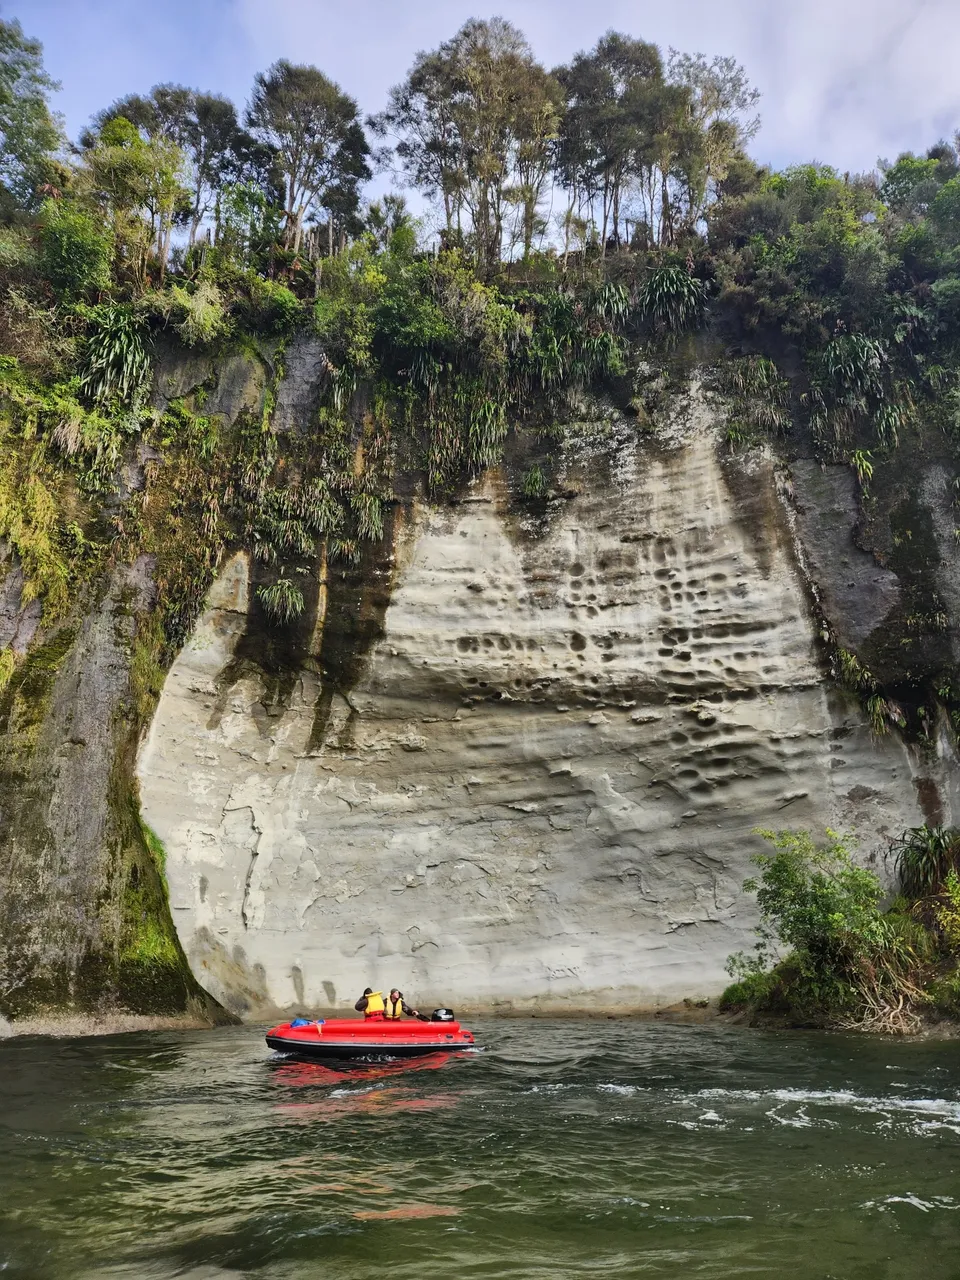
(540, 792)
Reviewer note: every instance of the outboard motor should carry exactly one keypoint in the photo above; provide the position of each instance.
(443, 1015)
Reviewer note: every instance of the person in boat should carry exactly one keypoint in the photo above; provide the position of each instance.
(396, 1007)
(371, 1004)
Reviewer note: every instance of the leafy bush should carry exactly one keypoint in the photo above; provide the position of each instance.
(945, 994)
(814, 898)
(76, 249)
(31, 330)
(847, 962)
(18, 253)
(273, 308)
(948, 910)
(751, 985)
(199, 315)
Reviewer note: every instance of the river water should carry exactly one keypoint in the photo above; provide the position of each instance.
(565, 1149)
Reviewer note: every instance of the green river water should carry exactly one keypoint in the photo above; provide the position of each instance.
(565, 1149)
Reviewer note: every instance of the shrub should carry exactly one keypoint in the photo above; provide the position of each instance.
(945, 994)
(848, 962)
(948, 910)
(198, 316)
(924, 857)
(115, 363)
(18, 255)
(273, 308)
(814, 899)
(752, 989)
(672, 300)
(76, 249)
(30, 330)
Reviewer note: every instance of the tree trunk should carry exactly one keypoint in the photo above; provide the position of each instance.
(166, 232)
(665, 214)
(606, 215)
(194, 226)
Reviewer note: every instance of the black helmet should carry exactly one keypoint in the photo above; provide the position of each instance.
(443, 1015)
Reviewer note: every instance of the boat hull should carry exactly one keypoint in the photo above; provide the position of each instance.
(353, 1039)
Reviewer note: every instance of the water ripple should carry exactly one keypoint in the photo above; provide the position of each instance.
(557, 1153)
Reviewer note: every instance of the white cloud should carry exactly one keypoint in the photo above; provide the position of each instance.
(843, 81)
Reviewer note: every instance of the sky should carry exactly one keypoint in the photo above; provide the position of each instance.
(844, 82)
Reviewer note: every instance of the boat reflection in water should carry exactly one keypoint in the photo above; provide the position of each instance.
(299, 1073)
(362, 1090)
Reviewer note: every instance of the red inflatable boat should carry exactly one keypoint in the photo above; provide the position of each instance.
(367, 1038)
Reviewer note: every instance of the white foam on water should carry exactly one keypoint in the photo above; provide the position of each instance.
(810, 1108)
(800, 1121)
(925, 1206)
(927, 1108)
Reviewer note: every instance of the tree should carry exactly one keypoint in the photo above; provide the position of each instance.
(315, 128)
(721, 103)
(910, 185)
(475, 121)
(138, 180)
(617, 128)
(420, 115)
(505, 110)
(203, 125)
(28, 131)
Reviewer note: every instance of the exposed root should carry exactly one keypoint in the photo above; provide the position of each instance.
(887, 1013)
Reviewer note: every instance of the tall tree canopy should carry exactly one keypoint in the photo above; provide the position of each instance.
(205, 128)
(316, 131)
(28, 131)
(474, 122)
(138, 178)
(649, 143)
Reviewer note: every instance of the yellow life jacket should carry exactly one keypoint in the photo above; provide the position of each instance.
(374, 1003)
(394, 1008)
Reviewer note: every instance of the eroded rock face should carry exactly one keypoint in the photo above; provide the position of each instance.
(58, 728)
(541, 790)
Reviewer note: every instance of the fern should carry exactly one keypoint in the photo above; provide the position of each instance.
(282, 601)
(368, 512)
(534, 484)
